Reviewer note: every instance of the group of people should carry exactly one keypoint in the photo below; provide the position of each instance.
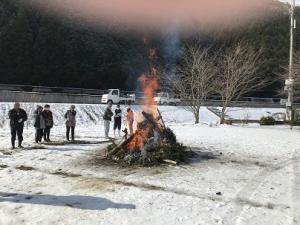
(108, 115)
(43, 122)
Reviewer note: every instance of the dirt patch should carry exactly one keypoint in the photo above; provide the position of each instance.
(197, 155)
(11, 152)
(3, 166)
(37, 147)
(66, 174)
(250, 163)
(255, 204)
(79, 142)
(25, 168)
(104, 183)
(6, 152)
(95, 184)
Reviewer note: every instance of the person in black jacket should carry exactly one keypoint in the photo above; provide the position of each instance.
(47, 114)
(17, 118)
(118, 120)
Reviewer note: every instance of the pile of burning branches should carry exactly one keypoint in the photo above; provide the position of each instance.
(151, 144)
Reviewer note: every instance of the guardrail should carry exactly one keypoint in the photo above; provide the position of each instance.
(23, 96)
(244, 104)
(20, 96)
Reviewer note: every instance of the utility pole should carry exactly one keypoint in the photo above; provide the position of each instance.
(289, 83)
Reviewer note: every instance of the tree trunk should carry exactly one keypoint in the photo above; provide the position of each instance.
(222, 117)
(197, 117)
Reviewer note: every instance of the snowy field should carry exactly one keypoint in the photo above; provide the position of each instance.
(244, 175)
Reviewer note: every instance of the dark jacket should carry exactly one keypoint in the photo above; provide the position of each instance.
(39, 120)
(118, 113)
(17, 117)
(71, 118)
(108, 114)
(47, 114)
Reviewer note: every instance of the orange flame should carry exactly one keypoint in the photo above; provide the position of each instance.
(149, 85)
(139, 140)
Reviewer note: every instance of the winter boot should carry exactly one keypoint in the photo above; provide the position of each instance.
(20, 145)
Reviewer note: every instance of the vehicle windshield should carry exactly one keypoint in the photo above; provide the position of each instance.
(161, 94)
(114, 92)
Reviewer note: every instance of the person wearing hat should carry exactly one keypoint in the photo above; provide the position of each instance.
(118, 120)
(107, 119)
(39, 124)
(47, 114)
(17, 118)
(70, 117)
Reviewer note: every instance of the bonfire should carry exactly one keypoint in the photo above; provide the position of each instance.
(152, 142)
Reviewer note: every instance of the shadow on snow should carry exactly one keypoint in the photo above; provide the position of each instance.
(74, 201)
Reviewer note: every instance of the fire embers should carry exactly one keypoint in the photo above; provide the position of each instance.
(148, 131)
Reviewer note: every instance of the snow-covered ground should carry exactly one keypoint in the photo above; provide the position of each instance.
(245, 175)
(245, 114)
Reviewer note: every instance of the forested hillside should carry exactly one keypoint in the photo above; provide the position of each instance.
(38, 49)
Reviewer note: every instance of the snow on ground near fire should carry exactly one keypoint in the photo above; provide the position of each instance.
(243, 175)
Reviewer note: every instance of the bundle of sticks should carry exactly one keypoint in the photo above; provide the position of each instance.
(152, 128)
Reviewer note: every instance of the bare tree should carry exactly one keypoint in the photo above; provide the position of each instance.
(238, 75)
(194, 79)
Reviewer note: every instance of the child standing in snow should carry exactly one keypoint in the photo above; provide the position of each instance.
(117, 120)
